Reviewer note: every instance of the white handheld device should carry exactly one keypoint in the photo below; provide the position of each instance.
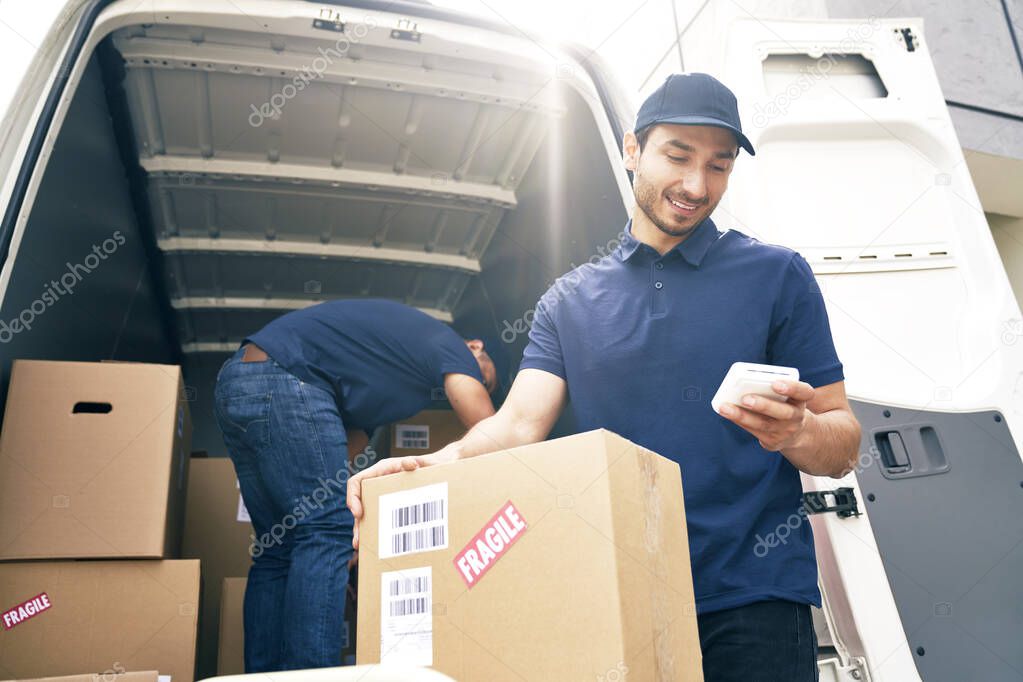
(747, 377)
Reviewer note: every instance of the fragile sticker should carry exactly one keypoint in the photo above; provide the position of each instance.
(25, 610)
(491, 543)
(413, 520)
(406, 616)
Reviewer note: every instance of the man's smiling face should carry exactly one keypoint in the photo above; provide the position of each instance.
(680, 173)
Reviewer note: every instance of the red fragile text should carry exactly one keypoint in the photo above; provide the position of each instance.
(25, 610)
(490, 544)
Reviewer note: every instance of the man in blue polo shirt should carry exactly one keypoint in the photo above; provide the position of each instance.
(642, 344)
(295, 398)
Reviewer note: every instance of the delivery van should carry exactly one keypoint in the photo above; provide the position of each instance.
(178, 173)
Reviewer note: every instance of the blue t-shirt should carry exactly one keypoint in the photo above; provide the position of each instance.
(644, 341)
(382, 360)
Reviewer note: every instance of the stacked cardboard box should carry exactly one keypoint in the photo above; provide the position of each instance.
(231, 643)
(575, 565)
(111, 675)
(426, 432)
(219, 533)
(93, 465)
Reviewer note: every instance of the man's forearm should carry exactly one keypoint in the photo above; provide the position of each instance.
(497, 432)
(828, 445)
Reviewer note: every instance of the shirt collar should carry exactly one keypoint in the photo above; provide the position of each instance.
(693, 249)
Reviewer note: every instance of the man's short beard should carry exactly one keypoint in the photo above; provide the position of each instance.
(646, 199)
(684, 232)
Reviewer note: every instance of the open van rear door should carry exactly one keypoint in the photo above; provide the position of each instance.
(858, 168)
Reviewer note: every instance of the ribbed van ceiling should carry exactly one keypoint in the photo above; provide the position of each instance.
(283, 171)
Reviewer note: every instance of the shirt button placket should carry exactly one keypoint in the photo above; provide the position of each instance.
(657, 306)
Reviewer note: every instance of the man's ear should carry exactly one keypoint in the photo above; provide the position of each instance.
(630, 151)
(474, 345)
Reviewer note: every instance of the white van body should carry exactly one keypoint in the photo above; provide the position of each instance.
(262, 156)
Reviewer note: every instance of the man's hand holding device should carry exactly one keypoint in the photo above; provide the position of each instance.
(766, 400)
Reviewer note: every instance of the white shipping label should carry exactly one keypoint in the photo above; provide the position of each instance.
(413, 520)
(243, 512)
(412, 436)
(163, 678)
(406, 616)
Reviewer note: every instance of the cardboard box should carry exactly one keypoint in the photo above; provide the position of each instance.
(92, 615)
(218, 533)
(231, 656)
(426, 432)
(93, 461)
(111, 675)
(563, 560)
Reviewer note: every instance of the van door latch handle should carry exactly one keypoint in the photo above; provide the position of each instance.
(820, 502)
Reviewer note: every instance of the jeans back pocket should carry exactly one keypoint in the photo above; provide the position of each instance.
(245, 415)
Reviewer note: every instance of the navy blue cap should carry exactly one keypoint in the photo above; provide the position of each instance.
(696, 99)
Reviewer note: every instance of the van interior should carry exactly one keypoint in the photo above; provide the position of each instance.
(250, 173)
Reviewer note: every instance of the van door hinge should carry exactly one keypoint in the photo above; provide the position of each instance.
(831, 668)
(845, 505)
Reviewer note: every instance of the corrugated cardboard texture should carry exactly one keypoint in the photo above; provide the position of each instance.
(231, 659)
(140, 615)
(444, 428)
(657, 602)
(96, 485)
(597, 587)
(215, 536)
(109, 676)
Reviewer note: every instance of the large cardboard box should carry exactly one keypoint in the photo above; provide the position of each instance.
(66, 617)
(111, 675)
(218, 533)
(426, 432)
(563, 560)
(93, 460)
(231, 657)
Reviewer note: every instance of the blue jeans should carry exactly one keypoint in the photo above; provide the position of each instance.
(771, 641)
(289, 448)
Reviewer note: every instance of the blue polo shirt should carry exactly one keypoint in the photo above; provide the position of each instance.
(382, 360)
(643, 342)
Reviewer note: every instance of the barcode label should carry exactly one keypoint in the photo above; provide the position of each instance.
(414, 520)
(419, 540)
(406, 616)
(412, 436)
(410, 607)
(418, 513)
(400, 586)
